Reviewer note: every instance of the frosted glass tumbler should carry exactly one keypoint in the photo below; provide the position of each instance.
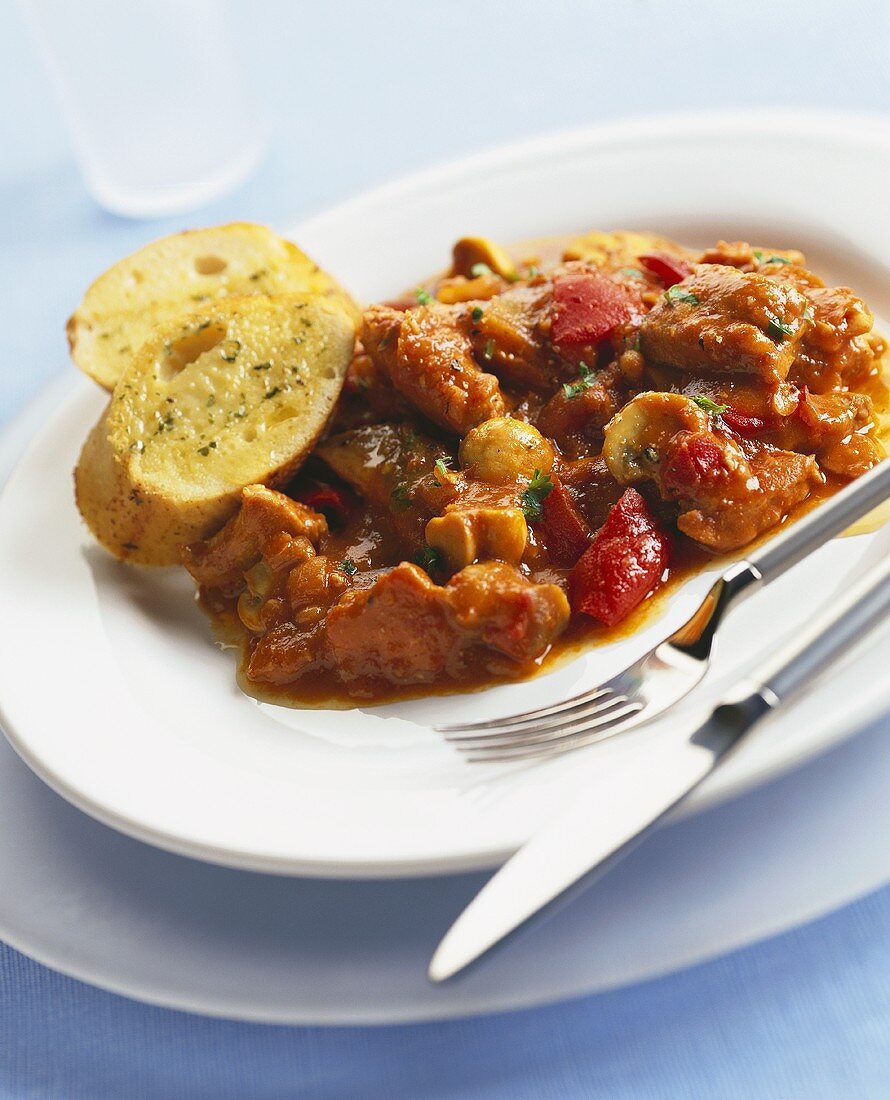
(156, 97)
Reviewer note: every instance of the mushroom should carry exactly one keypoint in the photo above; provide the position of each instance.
(635, 438)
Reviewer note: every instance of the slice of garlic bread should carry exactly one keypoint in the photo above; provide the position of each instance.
(231, 396)
(179, 274)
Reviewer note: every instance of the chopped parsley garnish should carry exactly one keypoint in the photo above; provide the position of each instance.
(709, 406)
(423, 296)
(585, 381)
(476, 314)
(532, 498)
(441, 471)
(230, 351)
(399, 497)
(480, 269)
(262, 366)
(348, 567)
(758, 256)
(778, 330)
(676, 293)
(428, 558)
(271, 393)
(488, 350)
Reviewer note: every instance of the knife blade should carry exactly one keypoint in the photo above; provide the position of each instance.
(616, 812)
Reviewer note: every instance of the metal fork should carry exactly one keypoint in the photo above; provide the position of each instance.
(671, 669)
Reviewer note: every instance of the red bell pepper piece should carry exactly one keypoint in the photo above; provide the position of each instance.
(670, 269)
(622, 565)
(324, 498)
(566, 535)
(743, 424)
(587, 307)
(691, 462)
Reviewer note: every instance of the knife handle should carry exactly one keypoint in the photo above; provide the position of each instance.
(828, 634)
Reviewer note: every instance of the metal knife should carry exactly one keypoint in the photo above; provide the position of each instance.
(629, 798)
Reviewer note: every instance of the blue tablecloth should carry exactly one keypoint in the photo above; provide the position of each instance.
(355, 94)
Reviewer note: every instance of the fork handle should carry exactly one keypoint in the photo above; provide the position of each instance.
(821, 524)
(827, 635)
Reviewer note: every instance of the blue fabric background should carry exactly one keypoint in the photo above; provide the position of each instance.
(357, 93)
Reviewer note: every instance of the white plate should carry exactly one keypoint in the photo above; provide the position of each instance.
(115, 695)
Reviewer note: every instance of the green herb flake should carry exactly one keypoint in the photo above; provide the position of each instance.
(258, 274)
(399, 497)
(480, 269)
(202, 326)
(271, 393)
(676, 293)
(428, 558)
(348, 567)
(758, 256)
(206, 450)
(778, 330)
(476, 315)
(585, 381)
(631, 273)
(262, 366)
(423, 296)
(441, 472)
(809, 316)
(532, 272)
(211, 401)
(650, 454)
(532, 499)
(488, 350)
(709, 406)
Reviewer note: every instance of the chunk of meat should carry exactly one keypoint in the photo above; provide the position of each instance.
(725, 498)
(579, 410)
(593, 489)
(407, 630)
(742, 255)
(393, 466)
(623, 564)
(838, 350)
(508, 613)
(221, 561)
(723, 320)
(428, 359)
(507, 337)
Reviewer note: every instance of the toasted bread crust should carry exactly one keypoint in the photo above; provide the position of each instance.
(235, 395)
(180, 274)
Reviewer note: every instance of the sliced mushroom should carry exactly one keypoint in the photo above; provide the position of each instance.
(469, 252)
(635, 437)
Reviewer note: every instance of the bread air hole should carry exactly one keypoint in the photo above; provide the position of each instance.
(286, 412)
(210, 265)
(190, 347)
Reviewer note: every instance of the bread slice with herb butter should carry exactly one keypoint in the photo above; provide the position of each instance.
(233, 395)
(179, 274)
